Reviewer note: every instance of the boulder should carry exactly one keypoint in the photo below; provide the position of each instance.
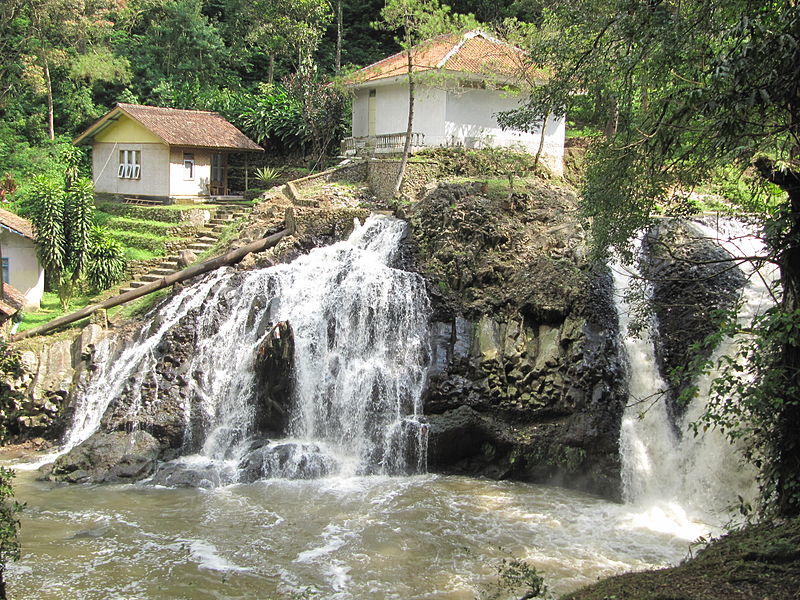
(116, 457)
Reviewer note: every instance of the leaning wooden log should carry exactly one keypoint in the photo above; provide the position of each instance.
(230, 258)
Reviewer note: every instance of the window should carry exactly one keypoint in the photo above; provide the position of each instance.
(218, 167)
(5, 270)
(188, 166)
(129, 164)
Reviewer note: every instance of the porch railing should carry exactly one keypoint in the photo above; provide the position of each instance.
(383, 142)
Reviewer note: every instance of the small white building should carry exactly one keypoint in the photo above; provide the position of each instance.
(167, 154)
(20, 264)
(462, 82)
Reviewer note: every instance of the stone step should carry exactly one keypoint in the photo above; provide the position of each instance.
(125, 290)
(162, 272)
(199, 247)
(151, 277)
(207, 239)
(219, 221)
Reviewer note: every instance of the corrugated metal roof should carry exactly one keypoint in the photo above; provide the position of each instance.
(179, 127)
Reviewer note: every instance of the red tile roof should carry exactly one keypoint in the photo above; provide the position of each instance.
(178, 127)
(17, 224)
(12, 301)
(472, 52)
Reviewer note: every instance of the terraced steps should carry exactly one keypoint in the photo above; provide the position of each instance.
(228, 211)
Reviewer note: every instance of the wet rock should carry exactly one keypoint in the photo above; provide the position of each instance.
(274, 368)
(286, 461)
(116, 457)
(527, 379)
(692, 277)
(202, 475)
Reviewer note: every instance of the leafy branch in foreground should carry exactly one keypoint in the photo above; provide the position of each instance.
(9, 525)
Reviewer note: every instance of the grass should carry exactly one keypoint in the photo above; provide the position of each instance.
(51, 309)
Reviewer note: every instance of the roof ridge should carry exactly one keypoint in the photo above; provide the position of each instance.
(150, 107)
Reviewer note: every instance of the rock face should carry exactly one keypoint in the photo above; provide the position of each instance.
(115, 457)
(275, 379)
(35, 396)
(527, 377)
(692, 278)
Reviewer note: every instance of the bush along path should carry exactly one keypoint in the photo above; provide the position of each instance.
(228, 212)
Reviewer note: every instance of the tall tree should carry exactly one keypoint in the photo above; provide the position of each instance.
(72, 35)
(698, 84)
(291, 28)
(416, 21)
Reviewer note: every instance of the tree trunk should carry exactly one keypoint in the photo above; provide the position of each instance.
(338, 36)
(49, 84)
(786, 441)
(541, 146)
(271, 69)
(612, 124)
(230, 258)
(409, 130)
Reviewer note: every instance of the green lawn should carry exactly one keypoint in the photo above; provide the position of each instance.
(51, 309)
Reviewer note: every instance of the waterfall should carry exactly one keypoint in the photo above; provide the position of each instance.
(680, 482)
(360, 355)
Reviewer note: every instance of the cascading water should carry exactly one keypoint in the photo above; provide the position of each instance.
(361, 352)
(682, 483)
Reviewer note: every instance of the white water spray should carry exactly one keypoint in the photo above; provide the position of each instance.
(361, 353)
(684, 484)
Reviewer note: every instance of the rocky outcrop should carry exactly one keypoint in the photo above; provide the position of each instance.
(527, 377)
(275, 379)
(37, 394)
(115, 457)
(692, 279)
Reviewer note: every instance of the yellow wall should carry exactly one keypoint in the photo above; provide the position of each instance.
(126, 130)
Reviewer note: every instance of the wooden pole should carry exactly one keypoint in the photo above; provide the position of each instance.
(230, 258)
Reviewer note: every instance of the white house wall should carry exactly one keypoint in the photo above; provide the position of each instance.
(471, 121)
(361, 113)
(179, 185)
(154, 175)
(24, 272)
(461, 117)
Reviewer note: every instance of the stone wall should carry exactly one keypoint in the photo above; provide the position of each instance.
(382, 174)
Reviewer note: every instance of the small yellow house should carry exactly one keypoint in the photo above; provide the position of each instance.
(167, 154)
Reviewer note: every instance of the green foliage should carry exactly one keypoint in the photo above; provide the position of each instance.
(516, 578)
(273, 118)
(46, 210)
(106, 260)
(9, 525)
(322, 111)
(266, 175)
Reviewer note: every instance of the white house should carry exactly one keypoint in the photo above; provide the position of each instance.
(463, 81)
(20, 265)
(167, 154)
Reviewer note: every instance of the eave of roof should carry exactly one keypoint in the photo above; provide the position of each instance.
(16, 224)
(177, 127)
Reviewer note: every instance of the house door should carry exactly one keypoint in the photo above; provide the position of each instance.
(219, 183)
(371, 111)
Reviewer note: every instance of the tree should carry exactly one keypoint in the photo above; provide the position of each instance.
(697, 85)
(323, 107)
(73, 36)
(66, 245)
(289, 27)
(417, 21)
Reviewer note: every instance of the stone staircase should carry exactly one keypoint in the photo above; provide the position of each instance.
(228, 211)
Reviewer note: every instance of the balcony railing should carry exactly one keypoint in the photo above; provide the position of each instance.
(385, 142)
